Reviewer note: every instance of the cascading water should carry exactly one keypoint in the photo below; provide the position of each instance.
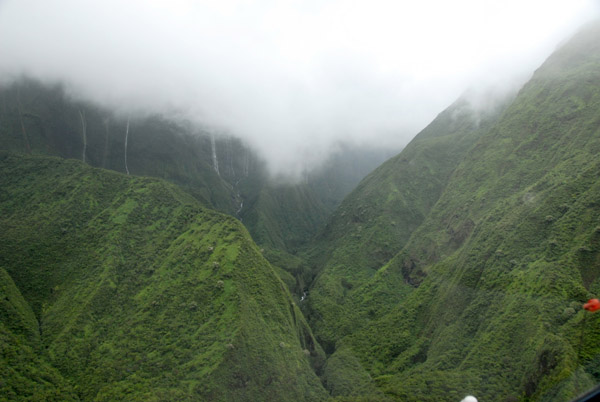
(214, 153)
(240, 208)
(83, 130)
(126, 138)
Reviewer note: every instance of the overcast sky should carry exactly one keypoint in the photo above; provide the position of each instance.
(290, 77)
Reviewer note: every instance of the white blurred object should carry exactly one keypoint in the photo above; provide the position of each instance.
(469, 398)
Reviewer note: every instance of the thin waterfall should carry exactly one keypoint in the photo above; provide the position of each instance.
(214, 153)
(83, 131)
(240, 208)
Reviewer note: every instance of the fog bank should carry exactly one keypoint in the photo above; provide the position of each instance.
(292, 78)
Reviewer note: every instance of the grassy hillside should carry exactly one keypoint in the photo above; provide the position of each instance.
(124, 288)
(485, 296)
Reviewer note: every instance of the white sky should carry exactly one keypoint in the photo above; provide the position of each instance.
(290, 77)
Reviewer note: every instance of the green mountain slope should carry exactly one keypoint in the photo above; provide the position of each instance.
(458, 267)
(485, 297)
(376, 220)
(25, 375)
(126, 288)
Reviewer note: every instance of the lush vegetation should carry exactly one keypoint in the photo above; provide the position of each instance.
(376, 220)
(484, 296)
(457, 267)
(126, 288)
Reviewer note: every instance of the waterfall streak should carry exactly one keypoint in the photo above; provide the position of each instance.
(214, 153)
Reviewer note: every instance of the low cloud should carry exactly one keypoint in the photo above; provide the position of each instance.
(292, 78)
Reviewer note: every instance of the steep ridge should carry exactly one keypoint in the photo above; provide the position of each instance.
(118, 287)
(485, 297)
(375, 221)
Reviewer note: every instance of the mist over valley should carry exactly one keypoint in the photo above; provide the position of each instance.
(303, 201)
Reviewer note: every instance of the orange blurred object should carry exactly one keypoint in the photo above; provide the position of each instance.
(592, 305)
